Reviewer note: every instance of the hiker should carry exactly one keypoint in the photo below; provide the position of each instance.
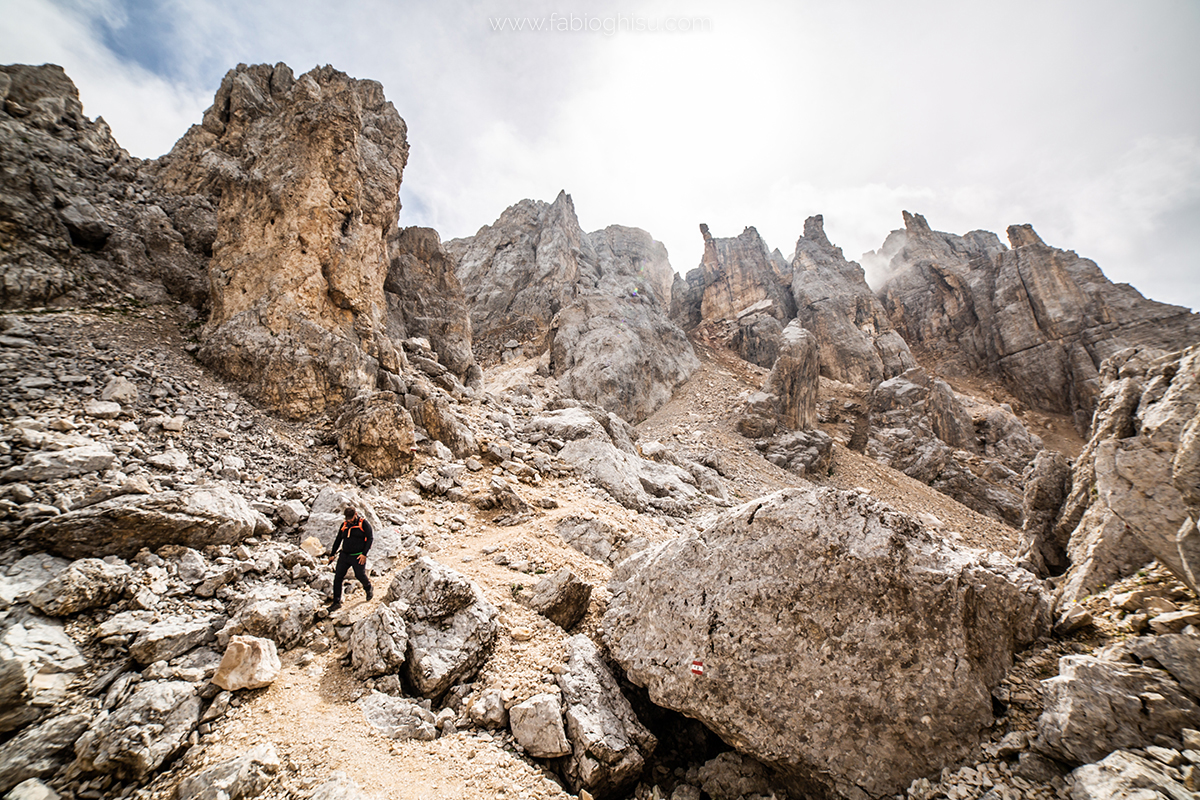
(355, 538)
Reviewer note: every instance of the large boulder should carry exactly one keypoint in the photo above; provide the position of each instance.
(148, 727)
(305, 174)
(327, 516)
(1123, 775)
(399, 717)
(196, 517)
(795, 378)
(825, 612)
(69, 462)
(249, 663)
(1124, 507)
(375, 431)
(537, 725)
(38, 662)
(87, 583)
(609, 744)
(26, 575)
(451, 627)
(272, 612)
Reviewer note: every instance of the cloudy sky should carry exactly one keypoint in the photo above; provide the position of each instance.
(1081, 117)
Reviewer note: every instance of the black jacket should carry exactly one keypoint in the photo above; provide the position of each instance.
(357, 535)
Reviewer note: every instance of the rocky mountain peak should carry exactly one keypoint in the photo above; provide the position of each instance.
(1023, 236)
(915, 223)
(814, 231)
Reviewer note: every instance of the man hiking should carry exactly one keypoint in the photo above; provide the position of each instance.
(355, 538)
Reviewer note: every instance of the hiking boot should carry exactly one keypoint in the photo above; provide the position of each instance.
(370, 592)
(334, 605)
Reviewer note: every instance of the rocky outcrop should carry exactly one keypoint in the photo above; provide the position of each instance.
(882, 646)
(305, 174)
(376, 432)
(1040, 318)
(194, 517)
(426, 300)
(1124, 506)
(79, 219)
(1047, 481)
(794, 379)
(595, 303)
(136, 737)
(833, 301)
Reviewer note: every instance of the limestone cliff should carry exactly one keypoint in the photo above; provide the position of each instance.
(1040, 318)
(305, 174)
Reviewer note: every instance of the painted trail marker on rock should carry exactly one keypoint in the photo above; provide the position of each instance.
(697, 667)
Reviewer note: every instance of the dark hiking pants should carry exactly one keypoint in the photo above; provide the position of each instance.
(346, 562)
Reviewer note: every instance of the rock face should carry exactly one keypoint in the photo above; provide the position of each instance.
(149, 727)
(737, 274)
(376, 432)
(609, 744)
(195, 517)
(597, 303)
(1039, 318)
(795, 378)
(79, 219)
(825, 612)
(833, 301)
(1125, 506)
(425, 299)
(305, 174)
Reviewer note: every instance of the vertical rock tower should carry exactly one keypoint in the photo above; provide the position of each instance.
(306, 177)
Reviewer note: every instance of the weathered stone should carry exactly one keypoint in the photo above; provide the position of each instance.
(316, 160)
(195, 517)
(32, 789)
(249, 662)
(164, 640)
(795, 377)
(561, 598)
(1047, 481)
(339, 787)
(807, 453)
(538, 727)
(733, 775)
(1094, 706)
(41, 751)
(451, 627)
(375, 431)
(87, 583)
(609, 744)
(292, 512)
(149, 727)
(1126, 776)
(1040, 318)
(238, 778)
(379, 643)
(26, 575)
(596, 537)
(398, 717)
(487, 709)
(38, 661)
(275, 613)
(933, 626)
(46, 465)
(120, 390)
(444, 424)
(101, 409)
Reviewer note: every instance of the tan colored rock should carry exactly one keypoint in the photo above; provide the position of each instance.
(795, 378)
(376, 432)
(249, 663)
(307, 173)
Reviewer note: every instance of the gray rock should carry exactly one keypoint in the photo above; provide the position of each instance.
(195, 517)
(785, 649)
(46, 465)
(272, 612)
(120, 390)
(149, 727)
(339, 787)
(795, 378)
(101, 409)
(165, 640)
(451, 627)
(561, 598)
(596, 537)
(170, 460)
(27, 575)
(609, 744)
(41, 751)
(379, 643)
(87, 583)
(537, 725)
(733, 775)
(292, 512)
(244, 776)
(38, 662)
(398, 717)
(809, 454)
(1126, 776)
(487, 709)
(1095, 706)
(249, 662)
(1047, 481)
